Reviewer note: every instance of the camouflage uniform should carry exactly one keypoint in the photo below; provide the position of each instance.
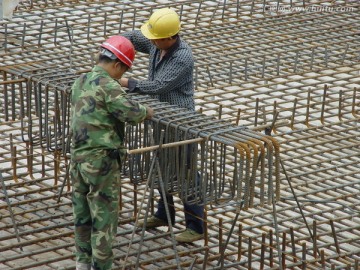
(99, 110)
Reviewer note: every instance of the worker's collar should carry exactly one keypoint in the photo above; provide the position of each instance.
(99, 69)
(173, 48)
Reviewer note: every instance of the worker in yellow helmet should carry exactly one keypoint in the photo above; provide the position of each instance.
(163, 23)
(171, 63)
(170, 80)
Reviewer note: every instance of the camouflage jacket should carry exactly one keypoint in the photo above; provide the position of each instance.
(99, 110)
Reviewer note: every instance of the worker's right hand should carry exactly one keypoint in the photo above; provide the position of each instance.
(149, 113)
(124, 82)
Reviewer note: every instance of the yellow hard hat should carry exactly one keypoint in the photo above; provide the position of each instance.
(163, 23)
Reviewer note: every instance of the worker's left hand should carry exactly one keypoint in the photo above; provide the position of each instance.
(149, 112)
(124, 82)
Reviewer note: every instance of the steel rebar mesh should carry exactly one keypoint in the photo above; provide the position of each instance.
(302, 65)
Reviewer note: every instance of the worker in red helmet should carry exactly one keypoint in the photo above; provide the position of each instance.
(100, 108)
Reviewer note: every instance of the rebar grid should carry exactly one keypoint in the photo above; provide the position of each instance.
(27, 33)
(302, 100)
(41, 99)
(311, 81)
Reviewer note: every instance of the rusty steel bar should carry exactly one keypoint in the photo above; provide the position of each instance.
(250, 58)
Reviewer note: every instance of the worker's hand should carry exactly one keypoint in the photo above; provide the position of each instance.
(149, 113)
(124, 82)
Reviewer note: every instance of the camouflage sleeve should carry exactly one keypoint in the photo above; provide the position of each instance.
(120, 106)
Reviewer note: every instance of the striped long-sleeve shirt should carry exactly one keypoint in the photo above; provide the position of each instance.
(171, 78)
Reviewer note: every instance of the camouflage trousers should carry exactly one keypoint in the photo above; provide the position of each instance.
(96, 187)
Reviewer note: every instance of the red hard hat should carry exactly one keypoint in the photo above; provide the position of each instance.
(122, 48)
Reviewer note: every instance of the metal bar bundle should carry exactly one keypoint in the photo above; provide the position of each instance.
(294, 61)
(222, 168)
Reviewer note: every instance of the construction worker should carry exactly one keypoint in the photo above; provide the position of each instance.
(170, 79)
(99, 109)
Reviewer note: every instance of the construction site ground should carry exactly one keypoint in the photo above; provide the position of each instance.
(291, 65)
